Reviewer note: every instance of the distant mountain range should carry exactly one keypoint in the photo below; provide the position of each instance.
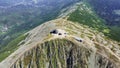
(81, 33)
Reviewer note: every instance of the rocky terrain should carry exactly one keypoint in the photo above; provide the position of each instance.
(14, 22)
(81, 47)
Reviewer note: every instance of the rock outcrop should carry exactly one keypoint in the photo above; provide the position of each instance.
(62, 53)
(43, 50)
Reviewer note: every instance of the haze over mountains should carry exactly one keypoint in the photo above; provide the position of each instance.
(96, 22)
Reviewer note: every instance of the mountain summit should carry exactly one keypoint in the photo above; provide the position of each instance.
(64, 44)
(66, 34)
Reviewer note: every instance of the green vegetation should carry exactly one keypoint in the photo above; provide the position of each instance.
(115, 32)
(20, 22)
(86, 16)
(23, 26)
(11, 47)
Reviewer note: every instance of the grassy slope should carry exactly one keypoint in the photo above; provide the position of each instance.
(11, 47)
(85, 15)
(115, 33)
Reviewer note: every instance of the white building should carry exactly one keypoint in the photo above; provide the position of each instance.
(59, 33)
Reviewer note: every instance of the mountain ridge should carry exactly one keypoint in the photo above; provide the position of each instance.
(78, 35)
(42, 34)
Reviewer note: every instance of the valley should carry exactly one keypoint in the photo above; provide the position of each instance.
(59, 34)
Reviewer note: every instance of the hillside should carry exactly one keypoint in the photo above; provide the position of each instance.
(80, 47)
(28, 15)
(109, 11)
(84, 13)
(77, 36)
